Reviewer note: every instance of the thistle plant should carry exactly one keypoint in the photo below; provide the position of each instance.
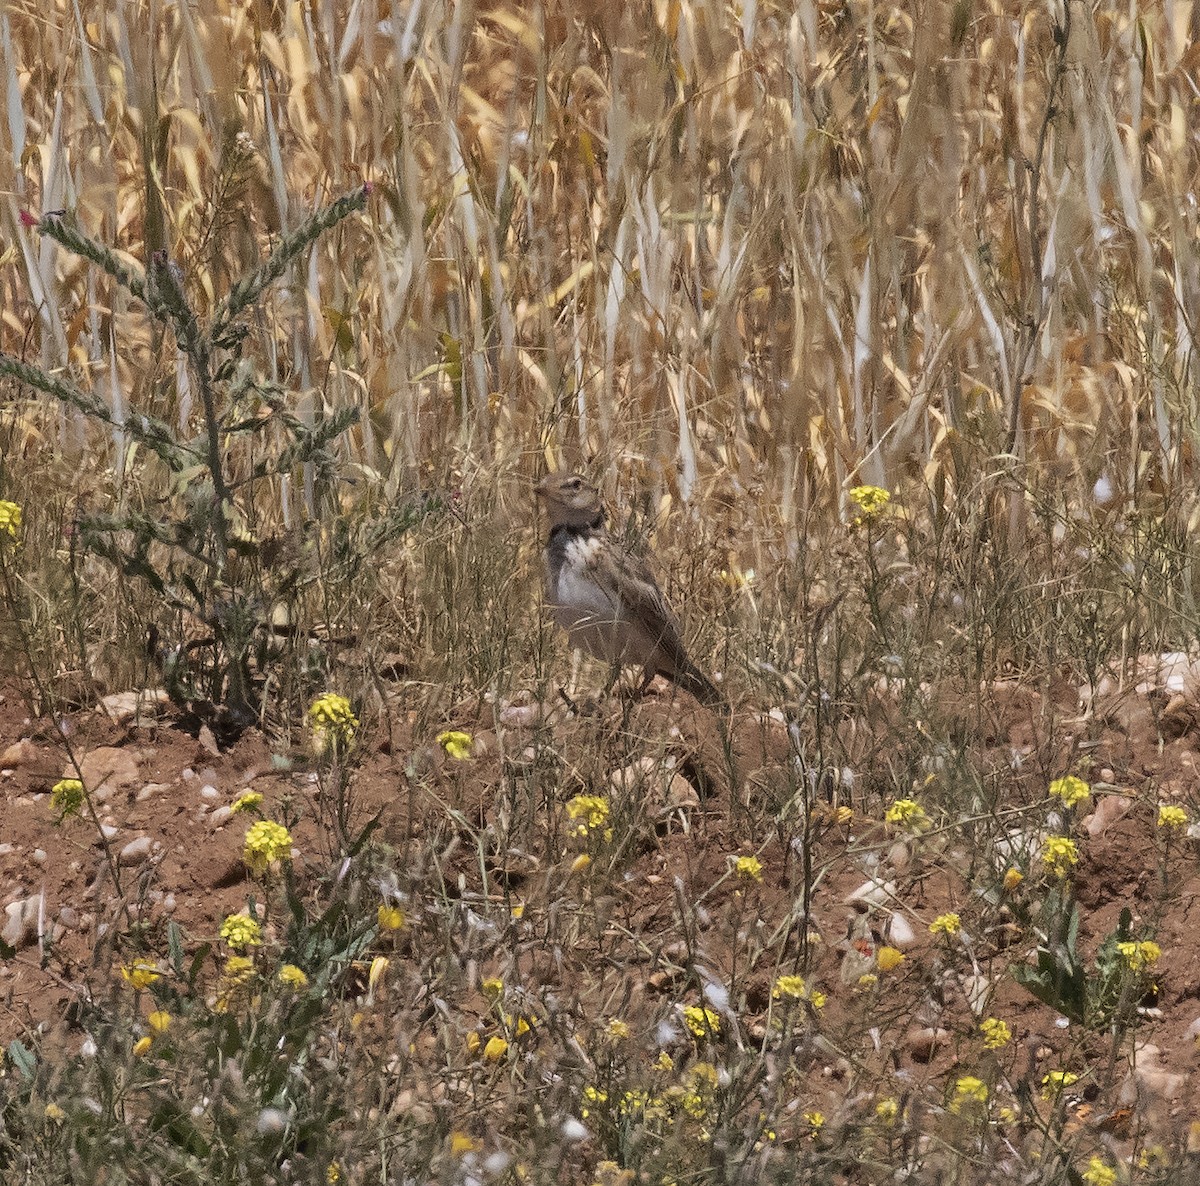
(202, 558)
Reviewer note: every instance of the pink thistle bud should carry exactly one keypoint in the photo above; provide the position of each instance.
(29, 220)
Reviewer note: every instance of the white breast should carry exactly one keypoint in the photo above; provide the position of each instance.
(591, 615)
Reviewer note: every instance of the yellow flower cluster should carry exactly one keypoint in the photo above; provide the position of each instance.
(702, 1022)
(908, 813)
(266, 843)
(67, 797)
(140, 974)
(457, 744)
(946, 924)
(794, 988)
(1099, 1173)
(246, 801)
(391, 918)
(968, 1092)
(1070, 790)
(332, 722)
(870, 501)
(748, 867)
(1139, 955)
(240, 931)
(292, 976)
(591, 812)
(10, 519)
(996, 1033)
(1059, 853)
(1171, 817)
(1056, 1081)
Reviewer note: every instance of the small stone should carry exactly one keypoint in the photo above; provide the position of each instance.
(39, 855)
(123, 707)
(220, 815)
(151, 789)
(20, 753)
(109, 831)
(21, 920)
(6, 848)
(135, 852)
(69, 917)
(105, 771)
(899, 931)
(208, 791)
(1109, 809)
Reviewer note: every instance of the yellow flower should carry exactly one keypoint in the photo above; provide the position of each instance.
(159, 1021)
(266, 843)
(333, 1173)
(54, 1112)
(67, 797)
(493, 988)
(238, 969)
(332, 722)
(461, 1144)
(581, 862)
(10, 519)
(292, 976)
(1056, 1081)
(748, 867)
(391, 918)
(1059, 854)
(379, 965)
(1139, 955)
(946, 924)
(142, 1045)
(1070, 790)
(816, 1121)
(1013, 878)
(140, 974)
(664, 1062)
(996, 1033)
(246, 801)
(870, 500)
(617, 1029)
(456, 744)
(908, 813)
(887, 958)
(817, 1000)
(240, 931)
(590, 810)
(495, 1049)
(887, 1110)
(701, 1021)
(968, 1091)
(1099, 1174)
(1171, 817)
(790, 986)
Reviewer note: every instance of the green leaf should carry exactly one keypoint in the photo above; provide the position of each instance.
(23, 1059)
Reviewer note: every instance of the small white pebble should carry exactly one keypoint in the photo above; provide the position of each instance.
(5, 849)
(108, 831)
(220, 815)
(39, 855)
(135, 852)
(168, 904)
(574, 1130)
(208, 791)
(187, 774)
(88, 1048)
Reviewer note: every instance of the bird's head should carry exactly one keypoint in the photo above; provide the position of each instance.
(571, 500)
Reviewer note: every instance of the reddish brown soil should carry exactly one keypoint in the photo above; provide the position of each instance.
(195, 875)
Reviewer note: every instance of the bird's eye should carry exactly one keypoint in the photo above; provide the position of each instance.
(574, 483)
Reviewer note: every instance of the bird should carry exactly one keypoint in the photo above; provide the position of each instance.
(607, 599)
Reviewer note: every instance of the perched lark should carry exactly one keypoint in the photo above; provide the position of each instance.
(606, 599)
